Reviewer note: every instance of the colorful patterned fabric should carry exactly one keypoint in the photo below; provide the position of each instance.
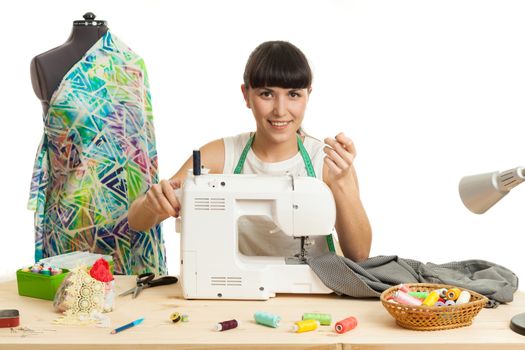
(96, 156)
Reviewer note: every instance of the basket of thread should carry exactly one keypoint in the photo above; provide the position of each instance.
(432, 307)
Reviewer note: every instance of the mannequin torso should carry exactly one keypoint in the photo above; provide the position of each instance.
(48, 68)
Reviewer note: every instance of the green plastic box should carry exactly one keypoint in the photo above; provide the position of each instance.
(37, 285)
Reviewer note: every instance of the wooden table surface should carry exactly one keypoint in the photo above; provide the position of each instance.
(376, 329)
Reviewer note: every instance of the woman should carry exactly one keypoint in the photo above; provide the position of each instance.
(277, 87)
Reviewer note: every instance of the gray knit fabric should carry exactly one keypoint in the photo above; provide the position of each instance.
(371, 277)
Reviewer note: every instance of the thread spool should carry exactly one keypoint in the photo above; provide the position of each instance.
(305, 326)
(442, 292)
(324, 319)
(419, 295)
(185, 318)
(403, 288)
(175, 317)
(403, 298)
(346, 325)
(450, 303)
(453, 293)
(464, 297)
(267, 319)
(431, 299)
(45, 272)
(439, 303)
(225, 325)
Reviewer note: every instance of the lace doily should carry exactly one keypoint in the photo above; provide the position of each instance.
(83, 297)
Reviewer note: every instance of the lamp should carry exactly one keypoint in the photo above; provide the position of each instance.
(480, 192)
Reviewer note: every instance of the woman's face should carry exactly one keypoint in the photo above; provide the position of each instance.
(278, 112)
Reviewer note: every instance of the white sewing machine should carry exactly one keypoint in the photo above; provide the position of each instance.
(212, 266)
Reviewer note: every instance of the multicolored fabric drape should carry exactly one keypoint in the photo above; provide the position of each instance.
(96, 156)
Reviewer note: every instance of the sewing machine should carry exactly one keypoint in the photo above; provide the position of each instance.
(212, 266)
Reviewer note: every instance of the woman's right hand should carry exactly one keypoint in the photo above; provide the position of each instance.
(161, 200)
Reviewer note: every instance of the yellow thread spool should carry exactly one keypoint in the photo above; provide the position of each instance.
(431, 299)
(305, 326)
(175, 317)
(453, 293)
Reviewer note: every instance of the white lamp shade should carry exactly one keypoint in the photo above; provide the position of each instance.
(480, 192)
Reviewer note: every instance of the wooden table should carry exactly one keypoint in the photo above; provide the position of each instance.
(376, 329)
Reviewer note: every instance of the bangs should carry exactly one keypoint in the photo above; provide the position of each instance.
(278, 64)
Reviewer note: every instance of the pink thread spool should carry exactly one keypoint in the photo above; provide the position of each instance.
(403, 288)
(346, 325)
(404, 298)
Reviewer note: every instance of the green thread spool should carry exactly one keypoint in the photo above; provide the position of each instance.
(185, 318)
(267, 319)
(324, 319)
(419, 295)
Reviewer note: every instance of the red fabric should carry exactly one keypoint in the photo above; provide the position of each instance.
(100, 271)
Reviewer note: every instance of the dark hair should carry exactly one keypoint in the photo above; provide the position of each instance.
(277, 63)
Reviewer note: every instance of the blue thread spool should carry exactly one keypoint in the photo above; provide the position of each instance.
(267, 319)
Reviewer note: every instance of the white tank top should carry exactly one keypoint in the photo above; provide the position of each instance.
(258, 235)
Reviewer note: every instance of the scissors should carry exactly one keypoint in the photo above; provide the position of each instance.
(146, 280)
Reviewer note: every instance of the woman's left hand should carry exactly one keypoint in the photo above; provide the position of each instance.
(339, 158)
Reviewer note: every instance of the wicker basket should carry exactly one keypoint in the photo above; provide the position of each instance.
(433, 318)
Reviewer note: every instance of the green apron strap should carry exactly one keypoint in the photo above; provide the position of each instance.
(244, 154)
(306, 158)
(307, 163)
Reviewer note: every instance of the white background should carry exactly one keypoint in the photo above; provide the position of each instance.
(430, 91)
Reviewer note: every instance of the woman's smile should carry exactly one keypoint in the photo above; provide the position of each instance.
(280, 125)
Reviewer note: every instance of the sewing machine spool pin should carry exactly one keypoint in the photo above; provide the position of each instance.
(196, 162)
